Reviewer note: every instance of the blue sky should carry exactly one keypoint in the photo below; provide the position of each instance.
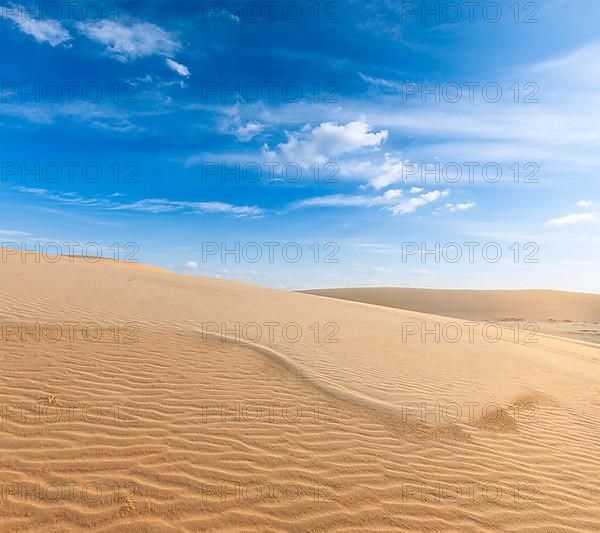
(169, 125)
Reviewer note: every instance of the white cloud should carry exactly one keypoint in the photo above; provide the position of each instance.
(349, 200)
(65, 197)
(580, 64)
(99, 116)
(149, 205)
(13, 233)
(561, 128)
(379, 270)
(460, 207)
(421, 272)
(391, 170)
(182, 70)
(234, 125)
(391, 200)
(248, 131)
(154, 205)
(43, 31)
(575, 218)
(381, 82)
(411, 204)
(325, 142)
(127, 42)
(585, 203)
(190, 264)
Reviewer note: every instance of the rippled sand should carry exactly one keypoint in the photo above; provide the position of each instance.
(140, 400)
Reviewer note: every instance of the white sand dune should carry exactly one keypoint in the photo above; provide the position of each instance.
(324, 415)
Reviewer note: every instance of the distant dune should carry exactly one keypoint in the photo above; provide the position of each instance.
(477, 304)
(182, 403)
(569, 314)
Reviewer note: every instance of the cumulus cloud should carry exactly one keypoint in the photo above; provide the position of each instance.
(326, 142)
(181, 69)
(127, 42)
(585, 203)
(190, 264)
(575, 218)
(43, 31)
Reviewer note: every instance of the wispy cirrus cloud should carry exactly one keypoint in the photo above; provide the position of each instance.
(43, 31)
(126, 42)
(574, 218)
(392, 200)
(154, 205)
(147, 205)
(181, 69)
(13, 233)
(349, 200)
(65, 197)
(100, 116)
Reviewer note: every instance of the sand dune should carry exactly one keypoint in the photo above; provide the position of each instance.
(569, 314)
(477, 304)
(140, 400)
